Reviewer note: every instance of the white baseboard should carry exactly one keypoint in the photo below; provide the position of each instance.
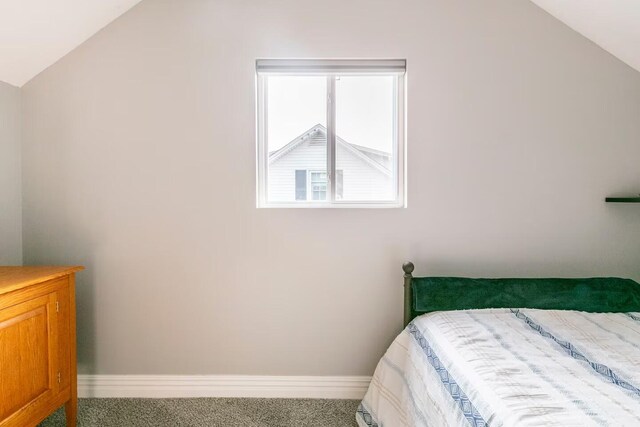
(166, 386)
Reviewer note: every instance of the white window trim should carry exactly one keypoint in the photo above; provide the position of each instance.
(350, 67)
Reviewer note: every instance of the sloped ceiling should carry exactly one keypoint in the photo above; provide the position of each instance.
(614, 25)
(36, 33)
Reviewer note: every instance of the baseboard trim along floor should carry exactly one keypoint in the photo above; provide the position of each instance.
(167, 386)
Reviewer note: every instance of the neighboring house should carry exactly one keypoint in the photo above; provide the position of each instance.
(297, 170)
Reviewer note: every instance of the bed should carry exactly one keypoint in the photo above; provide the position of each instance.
(511, 352)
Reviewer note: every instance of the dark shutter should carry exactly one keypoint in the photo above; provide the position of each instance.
(301, 185)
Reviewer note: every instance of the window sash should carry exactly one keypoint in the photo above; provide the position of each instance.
(318, 177)
(331, 69)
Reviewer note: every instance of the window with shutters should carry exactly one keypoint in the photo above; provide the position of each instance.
(330, 133)
(317, 187)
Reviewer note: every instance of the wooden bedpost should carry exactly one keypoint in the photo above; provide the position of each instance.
(407, 267)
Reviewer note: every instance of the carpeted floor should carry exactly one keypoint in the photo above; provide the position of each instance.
(210, 413)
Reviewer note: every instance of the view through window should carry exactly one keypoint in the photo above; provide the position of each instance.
(330, 133)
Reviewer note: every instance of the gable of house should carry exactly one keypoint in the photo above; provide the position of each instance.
(362, 173)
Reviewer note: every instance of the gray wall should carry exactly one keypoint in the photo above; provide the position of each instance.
(139, 162)
(10, 179)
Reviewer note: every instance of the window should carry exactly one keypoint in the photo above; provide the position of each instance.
(330, 133)
(317, 189)
(319, 185)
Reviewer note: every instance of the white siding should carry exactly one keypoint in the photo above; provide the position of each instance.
(362, 180)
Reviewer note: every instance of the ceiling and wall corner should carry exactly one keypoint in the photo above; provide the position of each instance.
(613, 25)
(34, 34)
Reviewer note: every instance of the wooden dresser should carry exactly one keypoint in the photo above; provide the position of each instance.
(37, 344)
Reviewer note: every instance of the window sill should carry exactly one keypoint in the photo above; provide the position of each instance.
(335, 205)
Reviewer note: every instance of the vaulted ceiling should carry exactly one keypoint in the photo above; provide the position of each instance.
(614, 25)
(34, 34)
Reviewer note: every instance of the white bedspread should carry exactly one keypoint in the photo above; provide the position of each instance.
(504, 367)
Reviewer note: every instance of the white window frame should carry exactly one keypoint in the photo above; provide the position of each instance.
(331, 69)
(310, 173)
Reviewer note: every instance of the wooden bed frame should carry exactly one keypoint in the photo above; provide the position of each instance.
(595, 295)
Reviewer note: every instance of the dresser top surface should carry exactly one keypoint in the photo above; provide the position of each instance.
(13, 278)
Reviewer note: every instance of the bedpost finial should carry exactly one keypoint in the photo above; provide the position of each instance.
(408, 267)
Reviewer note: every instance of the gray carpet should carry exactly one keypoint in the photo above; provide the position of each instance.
(210, 413)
